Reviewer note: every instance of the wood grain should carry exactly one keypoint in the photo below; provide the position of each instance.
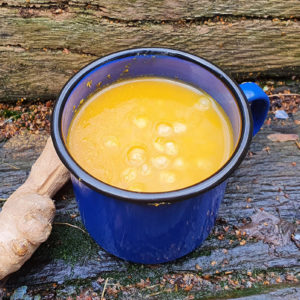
(34, 64)
(170, 9)
(268, 178)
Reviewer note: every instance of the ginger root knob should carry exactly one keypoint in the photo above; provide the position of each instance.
(26, 217)
(19, 247)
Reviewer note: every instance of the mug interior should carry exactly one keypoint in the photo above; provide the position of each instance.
(155, 65)
(153, 62)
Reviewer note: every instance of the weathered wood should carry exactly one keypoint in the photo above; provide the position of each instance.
(16, 159)
(171, 9)
(33, 64)
(241, 258)
(286, 294)
(267, 176)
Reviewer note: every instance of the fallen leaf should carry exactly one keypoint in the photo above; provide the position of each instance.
(66, 51)
(221, 237)
(58, 11)
(282, 137)
(267, 149)
(290, 277)
(296, 237)
(281, 114)
(89, 83)
(188, 287)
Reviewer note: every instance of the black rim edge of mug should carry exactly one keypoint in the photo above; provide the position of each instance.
(169, 196)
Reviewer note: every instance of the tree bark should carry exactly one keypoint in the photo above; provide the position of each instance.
(170, 9)
(42, 46)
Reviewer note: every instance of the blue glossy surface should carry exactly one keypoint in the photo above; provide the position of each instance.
(127, 224)
(259, 103)
(145, 233)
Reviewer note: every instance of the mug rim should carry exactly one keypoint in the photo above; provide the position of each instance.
(153, 197)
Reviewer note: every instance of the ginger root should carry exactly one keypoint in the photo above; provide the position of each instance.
(26, 217)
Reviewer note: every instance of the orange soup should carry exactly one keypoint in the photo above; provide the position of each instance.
(150, 135)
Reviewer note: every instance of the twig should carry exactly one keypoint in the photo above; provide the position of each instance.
(71, 225)
(12, 166)
(152, 286)
(278, 95)
(298, 144)
(104, 288)
(154, 294)
(2, 199)
(6, 121)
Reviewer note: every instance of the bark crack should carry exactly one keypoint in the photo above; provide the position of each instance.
(28, 10)
(19, 48)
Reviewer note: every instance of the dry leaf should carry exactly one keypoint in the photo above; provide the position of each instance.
(283, 137)
(296, 237)
(66, 51)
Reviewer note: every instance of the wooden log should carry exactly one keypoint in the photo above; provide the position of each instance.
(40, 49)
(170, 9)
(269, 177)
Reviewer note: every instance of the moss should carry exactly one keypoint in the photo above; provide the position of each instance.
(69, 244)
(200, 251)
(7, 113)
(136, 272)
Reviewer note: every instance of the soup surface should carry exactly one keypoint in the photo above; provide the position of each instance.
(150, 135)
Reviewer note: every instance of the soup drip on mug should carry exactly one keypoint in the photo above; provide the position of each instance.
(150, 135)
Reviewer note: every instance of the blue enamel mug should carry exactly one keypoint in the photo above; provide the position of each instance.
(154, 228)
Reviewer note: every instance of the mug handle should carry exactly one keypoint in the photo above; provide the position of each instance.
(259, 103)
